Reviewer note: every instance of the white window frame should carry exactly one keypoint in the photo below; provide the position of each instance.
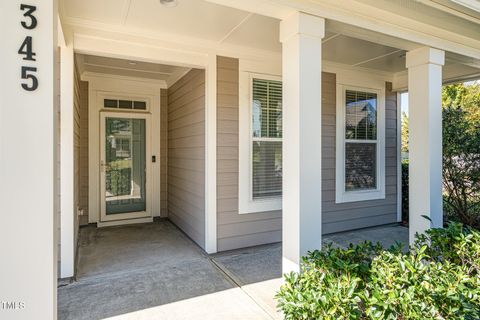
(108, 96)
(341, 195)
(246, 203)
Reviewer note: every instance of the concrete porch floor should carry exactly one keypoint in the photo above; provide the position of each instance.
(154, 271)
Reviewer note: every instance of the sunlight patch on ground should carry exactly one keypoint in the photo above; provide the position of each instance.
(230, 304)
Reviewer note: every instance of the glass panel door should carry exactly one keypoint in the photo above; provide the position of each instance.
(125, 166)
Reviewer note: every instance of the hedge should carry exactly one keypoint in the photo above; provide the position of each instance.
(439, 278)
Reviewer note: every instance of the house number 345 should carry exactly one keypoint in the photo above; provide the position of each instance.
(28, 73)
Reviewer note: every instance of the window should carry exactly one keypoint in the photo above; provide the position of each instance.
(266, 138)
(124, 104)
(260, 143)
(360, 144)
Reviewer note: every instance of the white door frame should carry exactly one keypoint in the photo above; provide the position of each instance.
(131, 215)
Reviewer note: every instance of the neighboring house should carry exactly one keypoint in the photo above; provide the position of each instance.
(243, 122)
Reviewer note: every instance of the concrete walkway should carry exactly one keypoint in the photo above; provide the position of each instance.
(154, 271)
(150, 271)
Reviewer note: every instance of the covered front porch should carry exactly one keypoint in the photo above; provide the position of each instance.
(315, 55)
(154, 271)
(320, 62)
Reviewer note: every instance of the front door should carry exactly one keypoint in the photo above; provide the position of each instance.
(124, 167)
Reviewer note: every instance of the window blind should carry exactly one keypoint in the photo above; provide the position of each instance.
(266, 138)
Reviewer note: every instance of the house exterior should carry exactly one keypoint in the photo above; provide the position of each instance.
(243, 122)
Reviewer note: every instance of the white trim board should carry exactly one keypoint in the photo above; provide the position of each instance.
(399, 156)
(108, 77)
(68, 210)
(211, 155)
(246, 204)
(120, 88)
(451, 73)
(341, 195)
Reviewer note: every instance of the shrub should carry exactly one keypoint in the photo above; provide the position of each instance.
(461, 166)
(438, 279)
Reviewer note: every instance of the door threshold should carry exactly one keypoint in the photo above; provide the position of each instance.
(101, 224)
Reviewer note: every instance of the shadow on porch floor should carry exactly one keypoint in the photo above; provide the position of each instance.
(153, 271)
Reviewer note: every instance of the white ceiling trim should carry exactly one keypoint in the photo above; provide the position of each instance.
(125, 11)
(229, 33)
(127, 69)
(177, 75)
(376, 58)
(325, 40)
(266, 8)
(87, 75)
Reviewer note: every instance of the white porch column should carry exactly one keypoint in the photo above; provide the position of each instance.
(301, 36)
(67, 171)
(27, 134)
(211, 156)
(425, 141)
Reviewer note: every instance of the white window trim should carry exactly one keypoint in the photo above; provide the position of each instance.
(246, 204)
(129, 97)
(341, 195)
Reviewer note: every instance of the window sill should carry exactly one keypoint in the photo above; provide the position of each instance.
(257, 206)
(355, 196)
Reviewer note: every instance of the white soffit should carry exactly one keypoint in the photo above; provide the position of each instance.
(259, 32)
(105, 11)
(196, 19)
(219, 25)
(191, 18)
(356, 52)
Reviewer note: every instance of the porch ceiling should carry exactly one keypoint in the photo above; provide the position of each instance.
(218, 25)
(130, 68)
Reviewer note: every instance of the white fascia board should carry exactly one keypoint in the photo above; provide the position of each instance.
(89, 76)
(109, 47)
(470, 4)
(451, 73)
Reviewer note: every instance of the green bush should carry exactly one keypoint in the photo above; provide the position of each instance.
(438, 279)
(461, 166)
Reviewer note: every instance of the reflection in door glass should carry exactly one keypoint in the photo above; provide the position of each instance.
(125, 165)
